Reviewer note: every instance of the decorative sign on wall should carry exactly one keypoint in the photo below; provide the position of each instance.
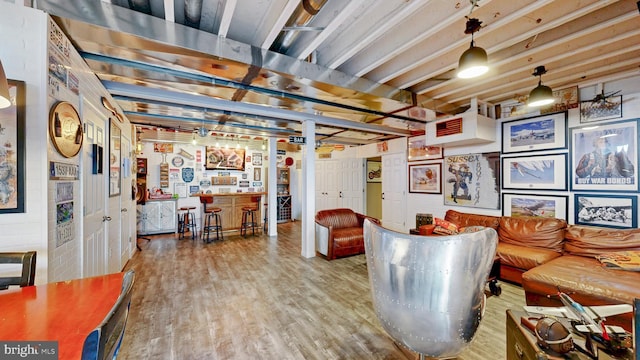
(65, 129)
(187, 174)
(224, 180)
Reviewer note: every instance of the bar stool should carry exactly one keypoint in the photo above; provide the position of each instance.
(249, 211)
(187, 221)
(212, 220)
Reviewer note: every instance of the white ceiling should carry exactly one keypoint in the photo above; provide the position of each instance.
(361, 69)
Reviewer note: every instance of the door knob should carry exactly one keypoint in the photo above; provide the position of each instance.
(106, 218)
(123, 210)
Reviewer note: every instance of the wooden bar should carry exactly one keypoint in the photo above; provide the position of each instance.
(232, 204)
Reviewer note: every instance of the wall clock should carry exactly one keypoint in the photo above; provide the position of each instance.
(65, 129)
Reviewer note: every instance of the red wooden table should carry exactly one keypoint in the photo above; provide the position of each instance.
(65, 311)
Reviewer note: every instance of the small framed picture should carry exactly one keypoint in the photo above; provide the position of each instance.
(614, 211)
(425, 178)
(419, 150)
(601, 109)
(545, 132)
(374, 171)
(548, 206)
(545, 172)
(605, 157)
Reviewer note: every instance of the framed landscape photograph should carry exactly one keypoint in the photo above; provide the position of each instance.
(604, 109)
(545, 172)
(547, 206)
(419, 150)
(425, 178)
(545, 132)
(614, 211)
(605, 157)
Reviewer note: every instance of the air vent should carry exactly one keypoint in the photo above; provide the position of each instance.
(449, 127)
(468, 128)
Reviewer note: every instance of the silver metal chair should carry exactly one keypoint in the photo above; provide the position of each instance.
(428, 291)
(28, 262)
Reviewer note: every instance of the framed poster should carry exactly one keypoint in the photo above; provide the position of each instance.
(114, 158)
(374, 171)
(419, 150)
(12, 150)
(472, 180)
(545, 172)
(605, 157)
(425, 178)
(548, 206)
(614, 211)
(545, 132)
(256, 159)
(607, 108)
(219, 158)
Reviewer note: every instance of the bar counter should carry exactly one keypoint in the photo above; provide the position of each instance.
(232, 204)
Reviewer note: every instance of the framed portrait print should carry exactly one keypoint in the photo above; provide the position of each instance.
(425, 178)
(12, 150)
(545, 172)
(604, 109)
(548, 206)
(605, 157)
(472, 180)
(545, 132)
(614, 211)
(114, 158)
(419, 150)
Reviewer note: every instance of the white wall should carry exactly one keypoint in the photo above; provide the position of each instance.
(23, 34)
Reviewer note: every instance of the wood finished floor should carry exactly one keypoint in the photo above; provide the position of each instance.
(258, 298)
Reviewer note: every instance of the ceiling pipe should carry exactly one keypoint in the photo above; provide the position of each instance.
(301, 17)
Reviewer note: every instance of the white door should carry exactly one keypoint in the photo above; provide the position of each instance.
(94, 193)
(351, 190)
(327, 193)
(126, 234)
(394, 172)
(115, 203)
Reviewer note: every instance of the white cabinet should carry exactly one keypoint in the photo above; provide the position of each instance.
(157, 216)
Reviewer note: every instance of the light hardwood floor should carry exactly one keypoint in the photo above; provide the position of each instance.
(258, 298)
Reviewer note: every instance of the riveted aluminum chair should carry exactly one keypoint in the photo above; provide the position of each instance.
(428, 291)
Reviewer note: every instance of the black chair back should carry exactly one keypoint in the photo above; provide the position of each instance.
(104, 342)
(28, 261)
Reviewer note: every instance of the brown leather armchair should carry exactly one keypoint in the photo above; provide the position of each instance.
(339, 233)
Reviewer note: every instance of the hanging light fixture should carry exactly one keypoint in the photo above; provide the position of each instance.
(193, 139)
(541, 95)
(5, 98)
(473, 62)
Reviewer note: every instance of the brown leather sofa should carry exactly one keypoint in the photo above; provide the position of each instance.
(545, 255)
(339, 233)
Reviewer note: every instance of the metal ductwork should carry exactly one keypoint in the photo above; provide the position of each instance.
(301, 17)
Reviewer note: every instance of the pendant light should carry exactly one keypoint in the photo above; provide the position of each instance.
(5, 98)
(473, 62)
(541, 95)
